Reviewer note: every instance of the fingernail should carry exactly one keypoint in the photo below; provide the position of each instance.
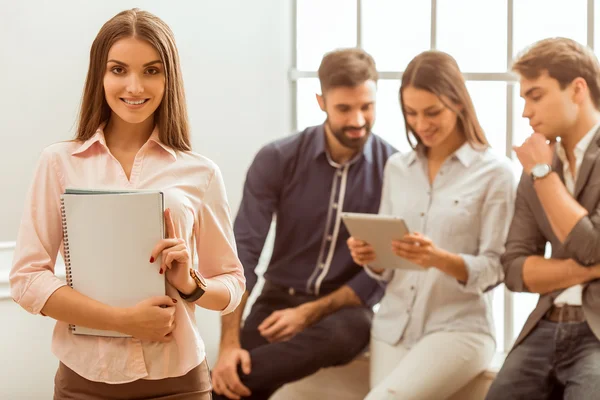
(151, 260)
(174, 300)
(160, 271)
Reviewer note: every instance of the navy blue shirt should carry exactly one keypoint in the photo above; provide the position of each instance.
(295, 180)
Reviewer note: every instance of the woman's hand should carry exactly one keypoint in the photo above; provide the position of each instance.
(152, 319)
(362, 253)
(418, 249)
(176, 259)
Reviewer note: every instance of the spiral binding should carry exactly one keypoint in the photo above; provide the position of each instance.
(67, 253)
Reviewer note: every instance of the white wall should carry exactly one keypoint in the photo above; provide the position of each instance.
(235, 58)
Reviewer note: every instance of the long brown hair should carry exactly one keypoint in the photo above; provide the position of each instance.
(171, 115)
(437, 72)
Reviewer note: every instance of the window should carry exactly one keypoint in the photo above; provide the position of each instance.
(389, 122)
(483, 37)
(530, 24)
(321, 27)
(489, 100)
(472, 32)
(308, 110)
(385, 19)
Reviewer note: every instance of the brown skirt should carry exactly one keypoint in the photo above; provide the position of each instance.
(196, 385)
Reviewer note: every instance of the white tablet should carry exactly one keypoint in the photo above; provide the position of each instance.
(379, 231)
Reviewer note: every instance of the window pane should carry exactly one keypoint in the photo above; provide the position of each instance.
(390, 36)
(389, 123)
(323, 26)
(539, 19)
(477, 37)
(489, 99)
(309, 113)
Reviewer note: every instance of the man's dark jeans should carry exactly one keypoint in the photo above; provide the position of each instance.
(335, 340)
(555, 361)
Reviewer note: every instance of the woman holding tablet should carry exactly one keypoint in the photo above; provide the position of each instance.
(434, 330)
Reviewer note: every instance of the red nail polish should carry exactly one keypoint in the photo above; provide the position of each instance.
(151, 260)
(161, 271)
(174, 300)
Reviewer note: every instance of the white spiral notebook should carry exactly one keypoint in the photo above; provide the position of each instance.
(108, 238)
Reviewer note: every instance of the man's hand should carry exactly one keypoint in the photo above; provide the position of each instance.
(225, 378)
(284, 324)
(535, 150)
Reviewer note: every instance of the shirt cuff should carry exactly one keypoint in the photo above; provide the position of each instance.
(385, 276)
(473, 272)
(368, 290)
(235, 288)
(35, 296)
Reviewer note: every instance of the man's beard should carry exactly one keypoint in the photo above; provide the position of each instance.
(348, 142)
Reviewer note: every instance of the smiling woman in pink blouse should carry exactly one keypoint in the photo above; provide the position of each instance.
(132, 134)
(434, 331)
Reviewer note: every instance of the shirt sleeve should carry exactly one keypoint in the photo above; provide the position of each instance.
(215, 243)
(484, 269)
(367, 290)
(259, 204)
(582, 244)
(385, 276)
(32, 279)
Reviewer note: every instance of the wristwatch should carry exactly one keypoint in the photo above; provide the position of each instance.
(200, 289)
(540, 171)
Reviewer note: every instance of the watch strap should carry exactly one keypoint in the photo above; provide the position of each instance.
(196, 294)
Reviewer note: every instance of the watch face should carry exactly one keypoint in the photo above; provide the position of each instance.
(540, 170)
(198, 277)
